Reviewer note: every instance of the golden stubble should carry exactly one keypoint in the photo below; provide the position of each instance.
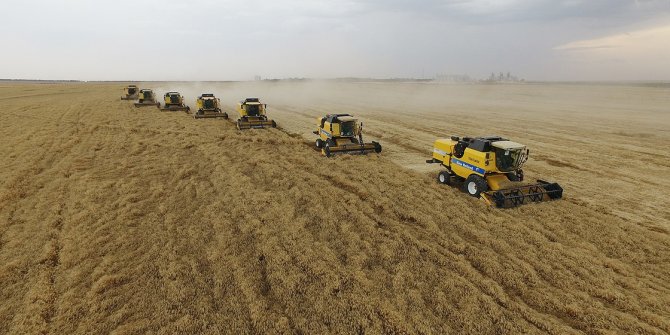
(133, 221)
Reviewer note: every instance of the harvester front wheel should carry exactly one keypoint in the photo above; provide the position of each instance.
(319, 143)
(326, 149)
(475, 185)
(274, 124)
(444, 177)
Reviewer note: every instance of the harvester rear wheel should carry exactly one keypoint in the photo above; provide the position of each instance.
(474, 185)
(274, 124)
(444, 178)
(319, 143)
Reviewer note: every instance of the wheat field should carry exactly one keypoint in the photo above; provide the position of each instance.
(133, 221)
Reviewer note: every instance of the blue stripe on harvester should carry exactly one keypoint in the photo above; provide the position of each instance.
(467, 166)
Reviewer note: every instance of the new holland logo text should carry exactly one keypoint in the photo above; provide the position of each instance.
(467, 166)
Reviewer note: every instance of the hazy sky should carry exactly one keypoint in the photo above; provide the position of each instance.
(235, 40)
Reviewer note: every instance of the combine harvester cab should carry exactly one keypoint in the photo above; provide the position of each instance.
(146, 97)
(174, 102)
(130, 93)
(209, 107)
(342, 133)
(252, 115)
(490, 168)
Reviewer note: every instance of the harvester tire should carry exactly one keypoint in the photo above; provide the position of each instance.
(444, 178)
(319, 143)
(274, 124)
(474, 185)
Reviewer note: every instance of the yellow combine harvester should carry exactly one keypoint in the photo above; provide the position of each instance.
(146, 97)
(209, 107)
(490, 168)
(130, 93)
(252, 115)
(341, 133)
(174, 102)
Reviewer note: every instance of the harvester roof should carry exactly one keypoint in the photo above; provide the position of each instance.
(507, 145)
(251, 103)
(335, 118)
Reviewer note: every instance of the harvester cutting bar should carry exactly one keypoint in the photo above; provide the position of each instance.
(210, 115)
(248, 124)
(147, 104)
(513, 197)
(353, 148)
(174, 108)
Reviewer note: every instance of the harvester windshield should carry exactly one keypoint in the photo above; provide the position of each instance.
(208, 103)
(174, 98)
(253, 110)
(510, 159)
(348, 128)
